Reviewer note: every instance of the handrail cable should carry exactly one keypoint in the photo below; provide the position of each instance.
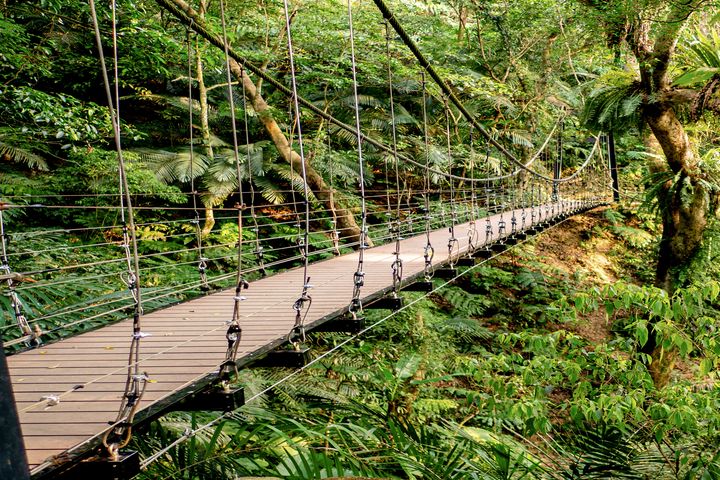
(190, 433)
(120, 434)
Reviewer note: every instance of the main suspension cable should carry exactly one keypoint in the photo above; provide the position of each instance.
(184, 12)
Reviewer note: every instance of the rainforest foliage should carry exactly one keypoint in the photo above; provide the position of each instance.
(586, 354)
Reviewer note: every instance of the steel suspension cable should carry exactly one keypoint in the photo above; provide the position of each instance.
(429, 252)
(488, 211)
(32, 335)
(259, 249)
(335, 233)
(397, 265)
(472, 227)
(120, 434)
(298, 224)
(233, 335)
(184, 12)
(302, 305)
(359, 276)
(453, 243)
(201, 260)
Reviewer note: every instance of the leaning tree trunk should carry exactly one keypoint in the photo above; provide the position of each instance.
(684, 205)
(347, 225)
(204, 121)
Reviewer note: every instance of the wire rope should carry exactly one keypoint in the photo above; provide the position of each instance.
(120, 434)
(359, 276)
(189, 15)
(233, 335)
(201, 260)
(429, 251)
(453, 244)
(302, 304)
(397, 265)
(21, 321)
(259, 250)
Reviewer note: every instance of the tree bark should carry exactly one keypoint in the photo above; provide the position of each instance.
(204, 120)
(347, 226)
(683, 200)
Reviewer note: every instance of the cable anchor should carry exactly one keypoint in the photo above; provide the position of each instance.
(297, 335)
(428, 255)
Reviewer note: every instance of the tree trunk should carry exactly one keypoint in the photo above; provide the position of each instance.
(347, 226)
(204, 119)
(684, 205)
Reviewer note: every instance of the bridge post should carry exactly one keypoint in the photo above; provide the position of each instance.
(613, 167)
(13, 462)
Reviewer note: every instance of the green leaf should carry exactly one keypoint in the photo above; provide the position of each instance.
(706, 366)
(641, 332)
(407, 366)
(696, 76)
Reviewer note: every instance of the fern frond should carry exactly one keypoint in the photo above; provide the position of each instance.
(21, 155)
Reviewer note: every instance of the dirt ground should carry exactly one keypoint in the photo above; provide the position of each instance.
(571, 247)
(577, 247)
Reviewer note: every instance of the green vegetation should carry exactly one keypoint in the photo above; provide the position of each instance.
(592, 352)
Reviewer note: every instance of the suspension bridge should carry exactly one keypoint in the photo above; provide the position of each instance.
(72, 401)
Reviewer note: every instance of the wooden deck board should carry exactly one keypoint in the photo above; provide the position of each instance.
(187, 342)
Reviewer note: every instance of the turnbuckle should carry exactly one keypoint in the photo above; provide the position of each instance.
(397, 269)
(428, 256)
(297, 334)
(359, 279)
(233, 335)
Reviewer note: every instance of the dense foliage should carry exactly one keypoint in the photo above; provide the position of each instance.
(521, 369)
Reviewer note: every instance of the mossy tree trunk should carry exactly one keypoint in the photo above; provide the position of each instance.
(204, 118)
(683, 199)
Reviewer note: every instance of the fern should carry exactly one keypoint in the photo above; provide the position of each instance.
(22, 155)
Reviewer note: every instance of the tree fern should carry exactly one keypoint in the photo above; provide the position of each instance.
(613, 107)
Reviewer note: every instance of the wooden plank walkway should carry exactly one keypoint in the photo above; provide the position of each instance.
(86, 373)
